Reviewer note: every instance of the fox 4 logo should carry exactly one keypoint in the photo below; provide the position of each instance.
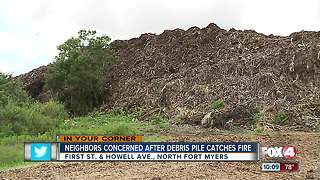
(288, 152)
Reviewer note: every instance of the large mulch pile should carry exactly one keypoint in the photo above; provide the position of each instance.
(178, 73)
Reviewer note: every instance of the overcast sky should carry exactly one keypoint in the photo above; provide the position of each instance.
(30, 30)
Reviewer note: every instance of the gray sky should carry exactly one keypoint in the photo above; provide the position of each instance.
(31, 30)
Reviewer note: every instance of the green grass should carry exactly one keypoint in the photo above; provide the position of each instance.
(156, 138)
(11, 147)
(11, 155)
(113, 124)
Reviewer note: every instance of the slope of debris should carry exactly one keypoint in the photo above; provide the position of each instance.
(178, 73)
(33, 81)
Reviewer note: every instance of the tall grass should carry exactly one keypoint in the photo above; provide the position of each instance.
(114, 123)
(12, 149)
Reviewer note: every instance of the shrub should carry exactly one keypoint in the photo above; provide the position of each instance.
(20, 115)
(52, 109)
(217, 105)
(11, 91)
(28, 119)
(281, 118)
(78, 75)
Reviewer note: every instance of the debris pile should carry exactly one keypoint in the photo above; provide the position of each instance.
(177, 73)
(33, 81)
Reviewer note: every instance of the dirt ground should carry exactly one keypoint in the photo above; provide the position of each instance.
(308, 145)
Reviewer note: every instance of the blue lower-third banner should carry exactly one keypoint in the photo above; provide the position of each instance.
(142, 151)
(155, 151)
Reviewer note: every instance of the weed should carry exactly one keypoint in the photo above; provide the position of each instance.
(159, 121)
(257, 117)
(258, 130)
(281, 118)
(217, 105)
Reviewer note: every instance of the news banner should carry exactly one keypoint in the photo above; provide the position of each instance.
(132, 148)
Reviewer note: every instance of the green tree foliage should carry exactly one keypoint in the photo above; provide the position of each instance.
(20, 115)
(78, 73)
(11, 90)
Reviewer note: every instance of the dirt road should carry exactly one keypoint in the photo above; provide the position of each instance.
(308, 145)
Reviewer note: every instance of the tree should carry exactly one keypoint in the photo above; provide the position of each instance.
(19, 114)
(78, 74)
(11, 91)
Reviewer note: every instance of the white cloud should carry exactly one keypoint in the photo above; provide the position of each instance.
(281, 17)
(31, 30)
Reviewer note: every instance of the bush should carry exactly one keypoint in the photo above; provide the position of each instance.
(11, 91)
(30, 119)
(281, 118)
(217, 105)
(20, 115)
(78, 75)
(52, 109)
